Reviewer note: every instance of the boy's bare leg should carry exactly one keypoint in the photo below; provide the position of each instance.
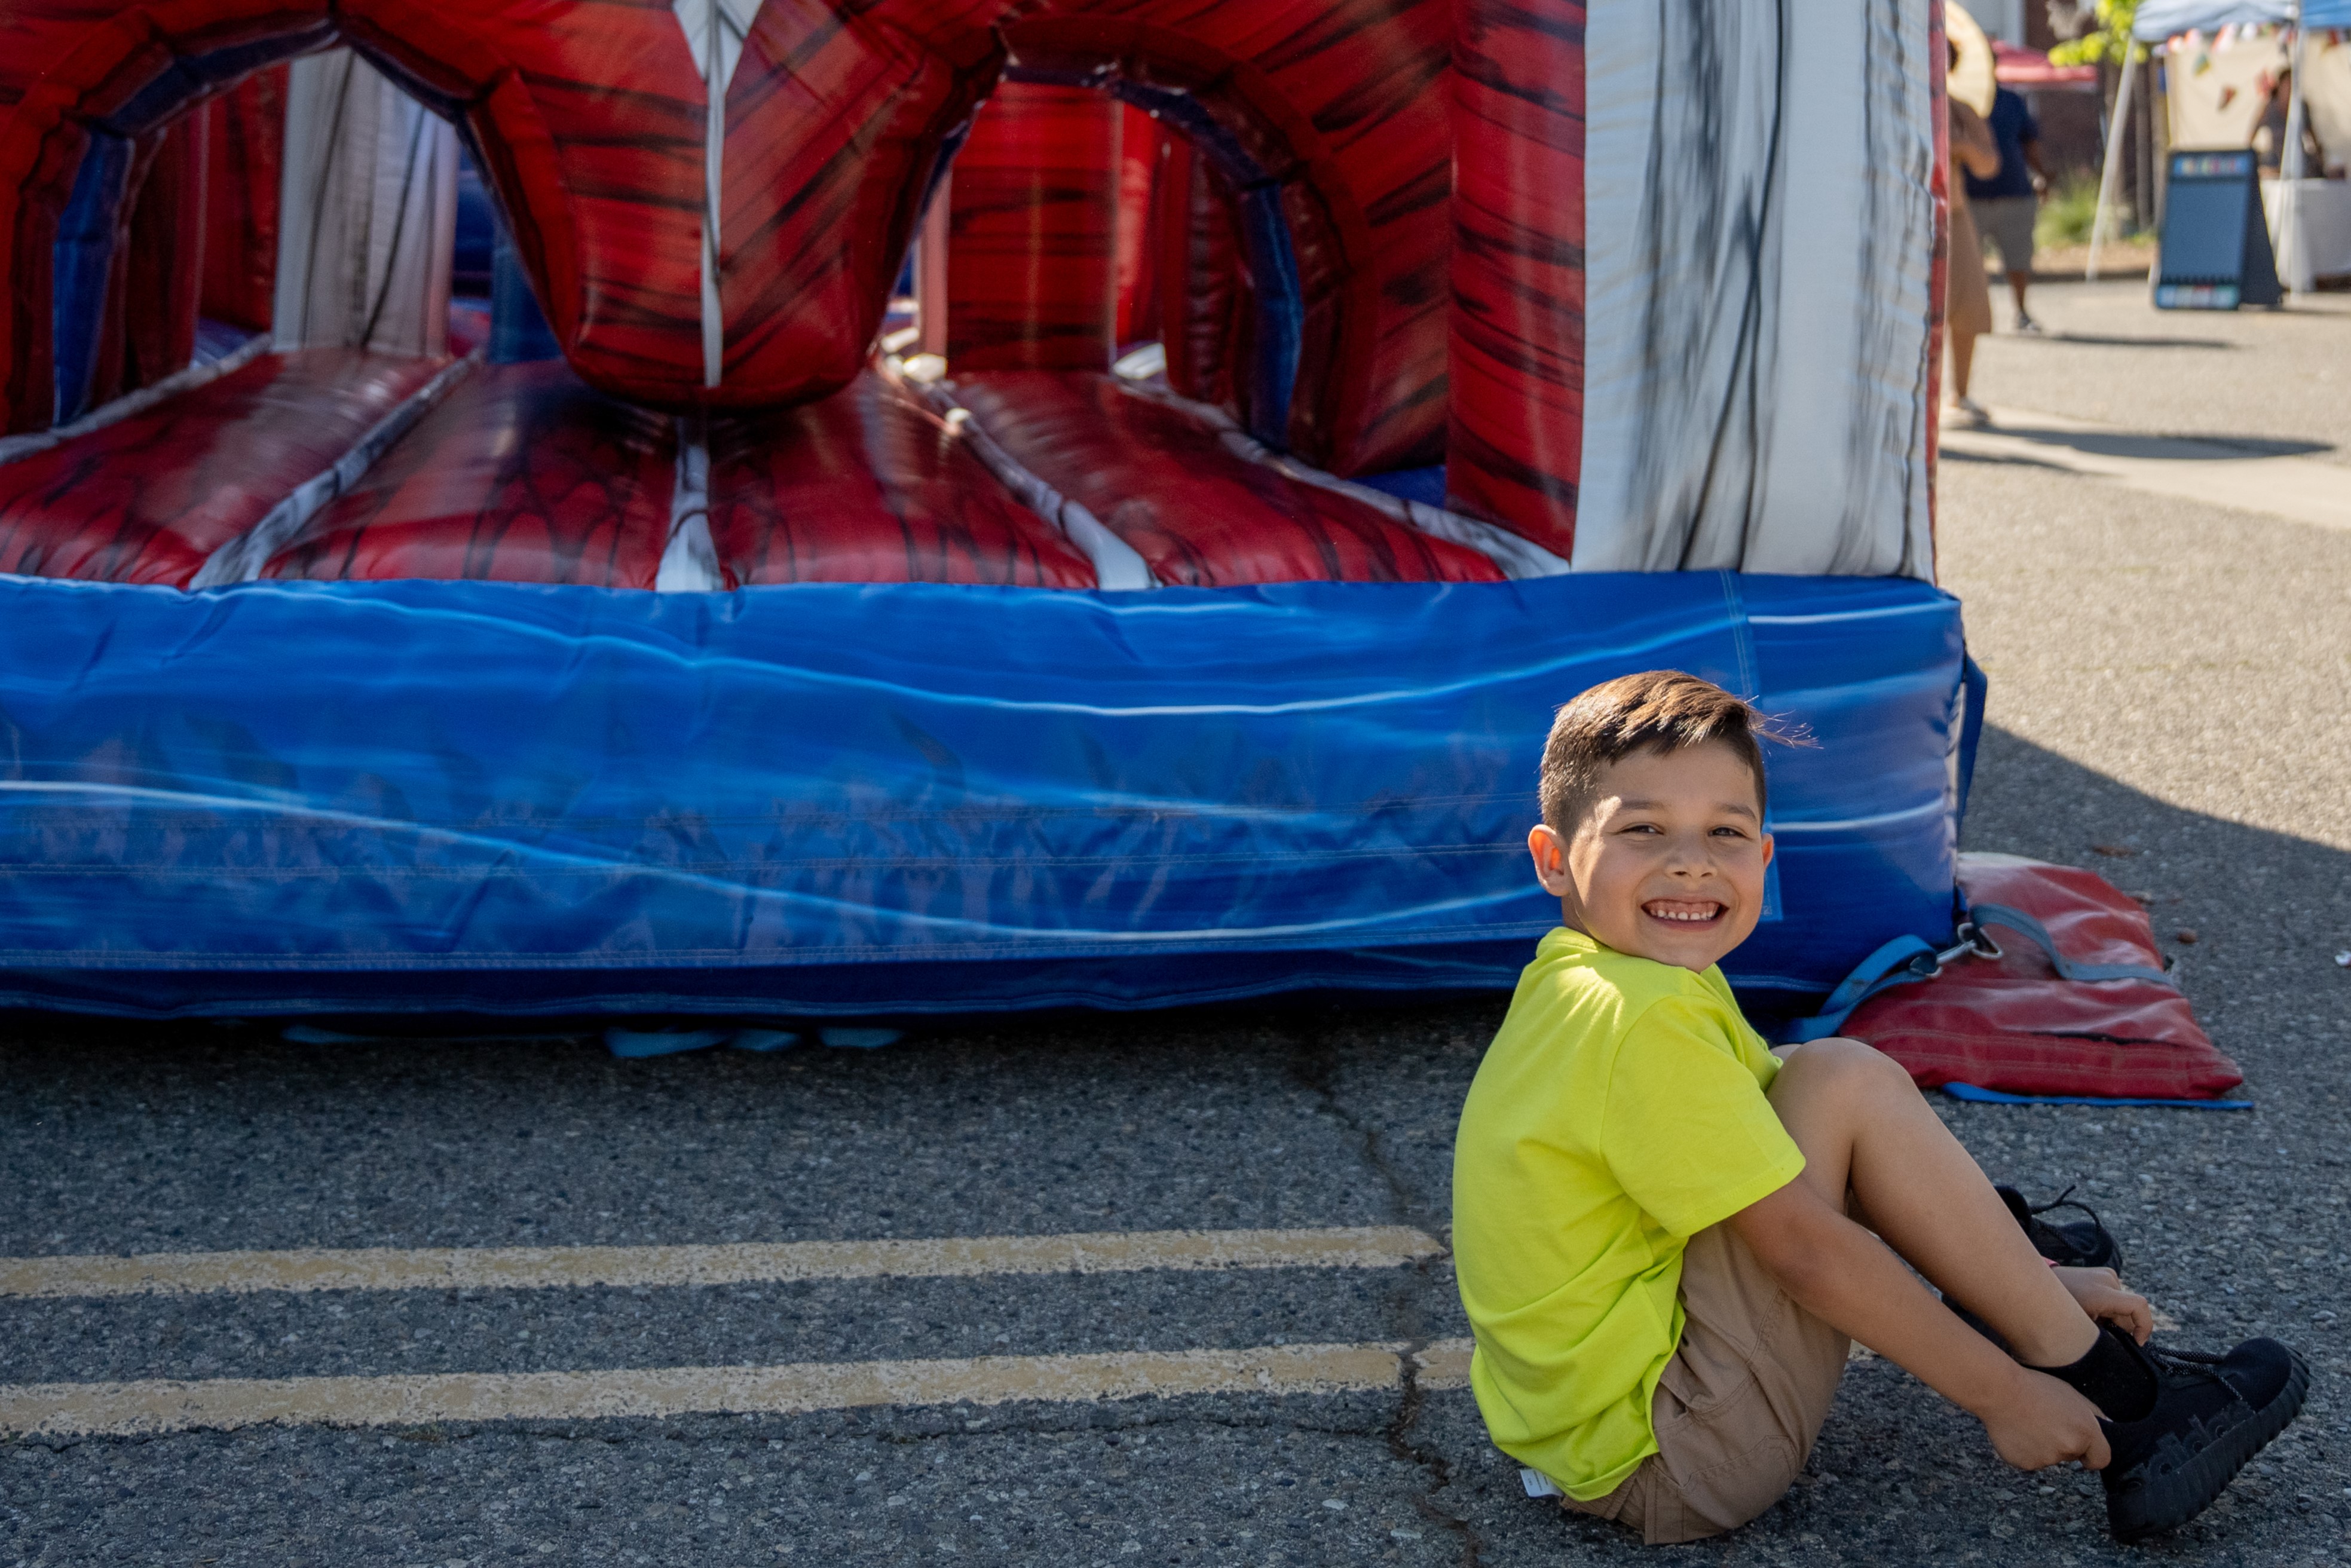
(1867, 1133)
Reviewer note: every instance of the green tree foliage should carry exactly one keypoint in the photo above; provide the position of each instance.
(2106, 41)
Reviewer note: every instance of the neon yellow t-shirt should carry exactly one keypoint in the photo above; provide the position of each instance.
(1619, 1112)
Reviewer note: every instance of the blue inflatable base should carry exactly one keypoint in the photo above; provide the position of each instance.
(832, 800)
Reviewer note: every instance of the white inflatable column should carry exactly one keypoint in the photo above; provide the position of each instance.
(715, 33)
(1758, 222)
(368, 213)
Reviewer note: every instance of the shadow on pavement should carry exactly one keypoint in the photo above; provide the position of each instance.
(2198, 448)
(2028, 800)
(1999, 460)
(2256, 915)
(2102, 340)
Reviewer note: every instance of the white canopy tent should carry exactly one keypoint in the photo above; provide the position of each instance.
(2158, 21)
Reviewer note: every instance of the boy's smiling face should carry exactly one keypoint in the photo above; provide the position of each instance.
(1667, 862)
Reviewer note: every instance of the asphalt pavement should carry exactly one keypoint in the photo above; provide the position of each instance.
(2272, 381)
(2169, 706)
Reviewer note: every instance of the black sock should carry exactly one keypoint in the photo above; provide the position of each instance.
(2110, 1377)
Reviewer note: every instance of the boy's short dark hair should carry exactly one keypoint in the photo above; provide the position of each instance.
(1662, 710)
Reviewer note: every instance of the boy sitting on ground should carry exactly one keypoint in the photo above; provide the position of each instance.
(1665, 1234)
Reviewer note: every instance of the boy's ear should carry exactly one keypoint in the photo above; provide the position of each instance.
(1549, 851)
(1770, 846)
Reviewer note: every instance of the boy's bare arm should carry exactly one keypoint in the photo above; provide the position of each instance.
(1846, 1277)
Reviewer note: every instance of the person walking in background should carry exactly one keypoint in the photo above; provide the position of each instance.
(1967, 303)
(2007, 199)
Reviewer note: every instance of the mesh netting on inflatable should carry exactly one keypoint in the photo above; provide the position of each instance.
(897, 506)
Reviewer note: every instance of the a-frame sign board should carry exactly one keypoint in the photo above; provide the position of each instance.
(2216, 251)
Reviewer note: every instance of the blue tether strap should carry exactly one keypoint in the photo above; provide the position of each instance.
(2024, 925)
(1897, 963)
(1909, 958)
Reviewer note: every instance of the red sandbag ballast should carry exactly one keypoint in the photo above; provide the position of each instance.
(2014, 1024)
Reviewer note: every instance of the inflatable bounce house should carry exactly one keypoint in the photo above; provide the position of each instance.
(823, 508)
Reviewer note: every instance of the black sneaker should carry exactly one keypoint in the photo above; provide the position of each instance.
(2211, 1414)
(2074, 1244)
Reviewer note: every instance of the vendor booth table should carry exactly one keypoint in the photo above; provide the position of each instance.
(2310, 221)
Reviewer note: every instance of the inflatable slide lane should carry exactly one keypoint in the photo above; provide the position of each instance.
(894, 507)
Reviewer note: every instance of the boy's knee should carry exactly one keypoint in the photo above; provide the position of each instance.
(1846, 1067)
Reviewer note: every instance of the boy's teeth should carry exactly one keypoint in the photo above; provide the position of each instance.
(1663, 911)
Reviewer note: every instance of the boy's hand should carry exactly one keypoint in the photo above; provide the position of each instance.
(2042, 1423)
(2101, 1294)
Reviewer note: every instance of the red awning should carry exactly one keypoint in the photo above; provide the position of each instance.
(2029, 70)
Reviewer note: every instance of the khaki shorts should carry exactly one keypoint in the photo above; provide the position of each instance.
(1738, 1406)
(2007, 222)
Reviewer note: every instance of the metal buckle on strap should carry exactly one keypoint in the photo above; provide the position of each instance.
(1973, 940)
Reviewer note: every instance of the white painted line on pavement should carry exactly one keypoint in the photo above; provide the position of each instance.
(2298, 489)
(542, 1267)
(1444, 1364)
(134, 1409)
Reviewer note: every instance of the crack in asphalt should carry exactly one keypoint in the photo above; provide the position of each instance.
(1428, 1460)
(1314, 1065)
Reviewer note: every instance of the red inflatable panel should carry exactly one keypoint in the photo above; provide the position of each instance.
(1339, 102)
(107, 365)
(590, 120)
(65, 65)
(147, 498)
(1143, 150)
(246, 148)
(834, 122)
(163, 274)
(588, 115)
(1200, 514)
(1203, 296)
(522, 474)
(147, 322)
(1032, 232)
(1341, 107)
(2012, 1024)
(1517, 448)
(866, 486)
